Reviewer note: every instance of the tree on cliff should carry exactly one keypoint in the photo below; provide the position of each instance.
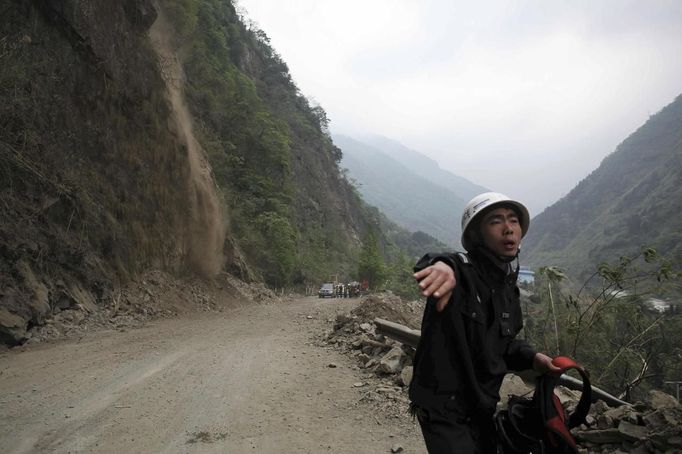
(371, 265)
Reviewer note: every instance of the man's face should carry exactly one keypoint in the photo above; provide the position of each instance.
(501, 231)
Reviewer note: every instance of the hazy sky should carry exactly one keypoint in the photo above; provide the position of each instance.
(524, 97)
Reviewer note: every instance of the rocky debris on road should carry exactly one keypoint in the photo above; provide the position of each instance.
(386, 363)
(651, 427)
(253, 291)
(390, 307)
(155, 294)
(654, 426)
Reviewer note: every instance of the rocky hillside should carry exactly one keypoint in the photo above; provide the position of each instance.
(633, 199)
(139, 135)
(85, 127)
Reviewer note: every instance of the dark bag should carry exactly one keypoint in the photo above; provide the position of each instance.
(540, 424)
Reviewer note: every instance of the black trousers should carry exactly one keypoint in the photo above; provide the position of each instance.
(449, 430)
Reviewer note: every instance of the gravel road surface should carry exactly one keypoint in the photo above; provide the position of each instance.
(250, 380)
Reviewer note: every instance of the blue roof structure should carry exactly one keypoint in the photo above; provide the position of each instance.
(526, 276)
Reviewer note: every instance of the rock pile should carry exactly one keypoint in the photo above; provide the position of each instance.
(651, 427)
(154, 295)
(388, 363)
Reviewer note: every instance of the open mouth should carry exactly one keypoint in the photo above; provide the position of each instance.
(509, 244)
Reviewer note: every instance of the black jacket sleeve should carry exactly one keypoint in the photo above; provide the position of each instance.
(519, 355)
(432, 257)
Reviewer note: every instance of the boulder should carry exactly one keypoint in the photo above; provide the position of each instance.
(602, 436)
(366, 327)
(604, 422)
(658, 419)
(12, 328)
(363, 358)
(659, 400)
(392, 362)
(632, 432)
(406, 375)
(39, 304)
(617, 412)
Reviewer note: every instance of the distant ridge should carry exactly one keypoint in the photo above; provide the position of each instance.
(410, 188)
(426, 167)
(633, 198)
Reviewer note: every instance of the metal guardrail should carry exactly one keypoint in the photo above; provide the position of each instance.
(398, 332)
(411, 337)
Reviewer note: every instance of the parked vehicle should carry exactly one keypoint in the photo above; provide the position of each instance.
(327, 290)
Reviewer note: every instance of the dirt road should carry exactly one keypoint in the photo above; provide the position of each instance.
(251, 380)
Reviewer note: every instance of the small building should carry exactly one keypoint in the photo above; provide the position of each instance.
(526, 276)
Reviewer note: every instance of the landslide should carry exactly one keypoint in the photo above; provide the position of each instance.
(95, 177)
(169, 135)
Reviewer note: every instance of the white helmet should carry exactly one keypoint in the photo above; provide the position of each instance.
(486, 200)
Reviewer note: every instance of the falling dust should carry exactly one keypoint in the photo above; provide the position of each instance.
(203, 247)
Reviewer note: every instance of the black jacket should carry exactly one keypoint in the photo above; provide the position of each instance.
(466, 349)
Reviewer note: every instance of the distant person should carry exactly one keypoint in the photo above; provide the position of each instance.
(470, 322)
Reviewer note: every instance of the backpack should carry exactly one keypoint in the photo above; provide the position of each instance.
(540, 424)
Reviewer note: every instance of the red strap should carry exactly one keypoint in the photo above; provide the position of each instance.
(582, 409)
(557, 426)
(564, 363)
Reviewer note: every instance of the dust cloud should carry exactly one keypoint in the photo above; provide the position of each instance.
(203, 248)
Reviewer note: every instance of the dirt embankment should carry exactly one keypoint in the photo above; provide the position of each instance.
(152, 296)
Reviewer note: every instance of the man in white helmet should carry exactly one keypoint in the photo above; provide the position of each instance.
(471, 319)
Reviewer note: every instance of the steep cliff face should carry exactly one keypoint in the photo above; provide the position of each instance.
(170, 135)
(95, 179)
(291, 210)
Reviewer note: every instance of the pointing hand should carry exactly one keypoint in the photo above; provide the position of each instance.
(437, 280)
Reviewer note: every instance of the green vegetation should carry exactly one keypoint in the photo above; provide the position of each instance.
(291, 211)
(634, 198)
(400, 279)
(371, 264)
(609, 324)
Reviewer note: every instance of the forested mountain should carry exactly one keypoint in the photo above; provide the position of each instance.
(426, 167)
(410, 188)
(169, 134)
(633, 199)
